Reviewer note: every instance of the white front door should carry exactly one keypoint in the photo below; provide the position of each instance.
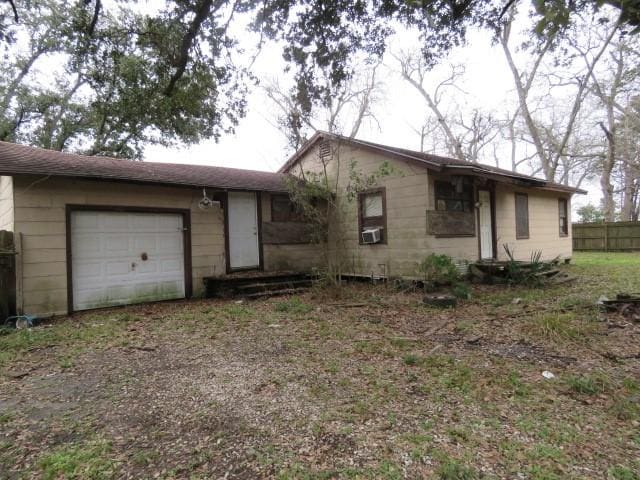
(242, 215)
(119, 258)
(486, 231)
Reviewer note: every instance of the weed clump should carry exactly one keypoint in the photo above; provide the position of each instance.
(294, 306)
(561, 326)
(438, 270)
(588, 384)
(454, 470)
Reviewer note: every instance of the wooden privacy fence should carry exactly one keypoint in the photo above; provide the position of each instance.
(606, 237)
(7, 276)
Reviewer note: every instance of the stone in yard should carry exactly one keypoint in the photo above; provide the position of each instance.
(440, 300)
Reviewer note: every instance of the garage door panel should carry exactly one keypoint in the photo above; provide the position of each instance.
(145, 243)
(107, 258)
(169, 289)
(114, 222)
(146, 290)
(86, 223)
(87, 245)
(118, 267)
(117, 293)
(169, 243)
(115, 243)
(144, 222)
(169, 222)
(87, 270)
(171, 265)
(150, 266)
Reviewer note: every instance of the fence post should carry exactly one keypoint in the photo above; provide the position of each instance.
(606, 236)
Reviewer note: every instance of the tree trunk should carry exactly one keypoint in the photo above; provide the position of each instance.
(608, 204)
(628, 193)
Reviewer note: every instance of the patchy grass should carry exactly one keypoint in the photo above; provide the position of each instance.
(607, 260)
(588, 384)
(454, 470)
(305, 388)
(85, 461)
(294, 306)
(556, 326)
(95, 330)
(623, 473)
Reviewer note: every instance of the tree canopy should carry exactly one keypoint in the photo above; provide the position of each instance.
(133, 76)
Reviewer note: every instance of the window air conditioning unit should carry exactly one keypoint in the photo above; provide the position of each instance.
(371, 235)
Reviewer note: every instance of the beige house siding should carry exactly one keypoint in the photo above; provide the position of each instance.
(544, 224)
(6, 203)
(40, 217)
(409, 194)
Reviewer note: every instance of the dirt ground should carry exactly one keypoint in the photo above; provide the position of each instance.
(371, 384)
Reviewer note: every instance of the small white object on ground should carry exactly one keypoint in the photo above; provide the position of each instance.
(22, 323)
(548, 374)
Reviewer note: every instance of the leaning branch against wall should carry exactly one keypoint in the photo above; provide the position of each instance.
(606, 236)
(7, 276)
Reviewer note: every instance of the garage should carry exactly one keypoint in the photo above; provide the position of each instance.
(125, 257)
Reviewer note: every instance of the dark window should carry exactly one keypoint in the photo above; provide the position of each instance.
(522, 216)
(372, 212)
(455, 195)
(284, 210)
(563, 216)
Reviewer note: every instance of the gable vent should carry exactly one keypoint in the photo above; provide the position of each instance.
(324, 149)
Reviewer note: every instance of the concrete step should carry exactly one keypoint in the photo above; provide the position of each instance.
(266, 286)
(274, 293)
(234, 284)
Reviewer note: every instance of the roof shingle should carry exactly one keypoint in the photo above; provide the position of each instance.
(430, 161)
(20, 159)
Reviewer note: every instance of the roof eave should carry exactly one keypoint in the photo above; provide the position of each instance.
(391, 153)
(136, 181)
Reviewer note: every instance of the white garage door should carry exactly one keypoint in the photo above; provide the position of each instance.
(120, 258)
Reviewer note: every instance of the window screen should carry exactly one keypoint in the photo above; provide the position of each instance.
(563, 216)
(372, 212)
(284, 210)
(372, 205)
(455, 195)
(522, 216)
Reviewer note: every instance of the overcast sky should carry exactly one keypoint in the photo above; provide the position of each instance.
(258, 144)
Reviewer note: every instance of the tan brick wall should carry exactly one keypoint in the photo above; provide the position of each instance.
(6, 203)
(409, 194)
(40, 216)
(544, 224)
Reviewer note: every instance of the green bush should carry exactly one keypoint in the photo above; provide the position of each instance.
(438, 270)
(462, 291)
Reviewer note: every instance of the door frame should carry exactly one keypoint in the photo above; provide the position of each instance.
(186, 240)
(491, 188)
(227, 253)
